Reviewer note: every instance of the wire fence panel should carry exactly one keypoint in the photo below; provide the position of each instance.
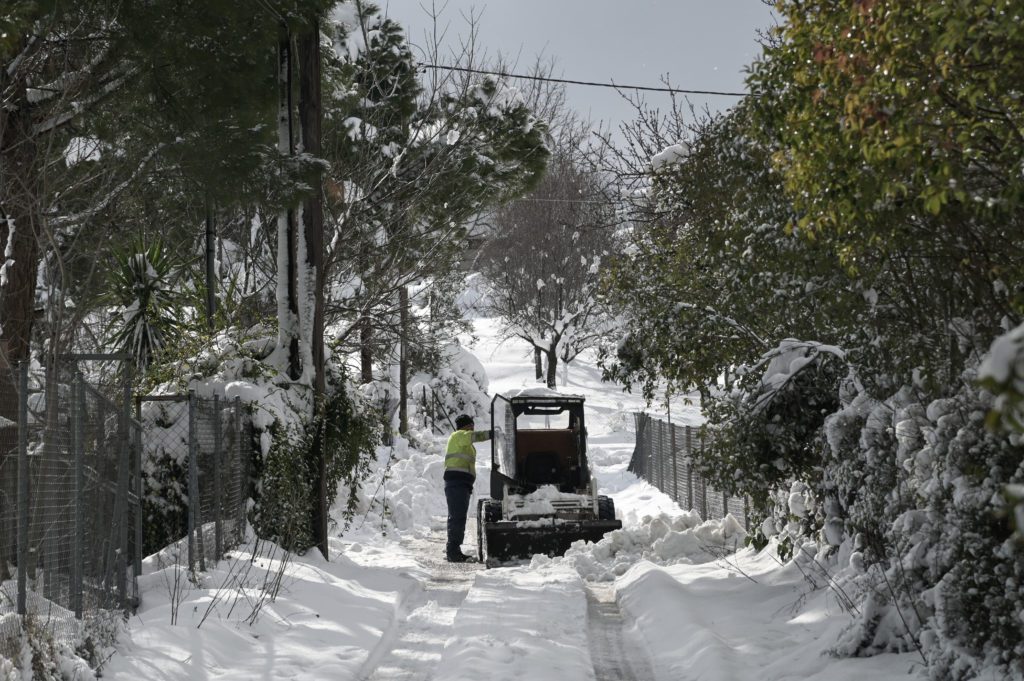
(70, 520)
(663, 457)
(196, 470)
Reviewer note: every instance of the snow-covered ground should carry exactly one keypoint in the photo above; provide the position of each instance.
(666, 598)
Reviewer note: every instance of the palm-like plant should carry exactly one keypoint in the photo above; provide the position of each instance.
(142, 286)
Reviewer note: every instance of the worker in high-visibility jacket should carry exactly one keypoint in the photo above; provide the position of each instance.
(459, 474)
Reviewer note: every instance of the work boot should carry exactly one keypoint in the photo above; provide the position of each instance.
(461, 558)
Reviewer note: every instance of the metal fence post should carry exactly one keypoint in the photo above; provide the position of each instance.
(137, 568)
(649, 449)
(675, 463)
(243, 472)
(124, 484)
(689, 468)
(78, 434)
(23, 500)
(658, 447)
(218, 490)
(703, 487)
(193, 481)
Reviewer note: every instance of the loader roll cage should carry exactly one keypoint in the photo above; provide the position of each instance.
(524, 458)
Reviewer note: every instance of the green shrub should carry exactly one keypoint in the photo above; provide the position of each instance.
(287, 477)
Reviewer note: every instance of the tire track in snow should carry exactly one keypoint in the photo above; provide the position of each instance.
(615, 656)
(412, 648)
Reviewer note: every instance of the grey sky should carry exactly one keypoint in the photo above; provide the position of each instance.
(699, 44)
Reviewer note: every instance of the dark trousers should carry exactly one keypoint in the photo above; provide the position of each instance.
(458, 487)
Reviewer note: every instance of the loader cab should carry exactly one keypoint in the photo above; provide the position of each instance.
(540, 439)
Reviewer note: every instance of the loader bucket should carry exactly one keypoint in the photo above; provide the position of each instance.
(509, 540)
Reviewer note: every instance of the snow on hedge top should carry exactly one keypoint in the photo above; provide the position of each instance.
(1005, 359)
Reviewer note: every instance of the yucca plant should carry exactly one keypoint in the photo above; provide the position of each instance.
(149, 314)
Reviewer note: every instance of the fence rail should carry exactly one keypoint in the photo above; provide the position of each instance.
(663, 456)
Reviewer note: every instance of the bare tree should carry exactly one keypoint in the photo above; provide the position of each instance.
(543, 263)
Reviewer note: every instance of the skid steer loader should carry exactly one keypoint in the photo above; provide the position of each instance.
(543, 496)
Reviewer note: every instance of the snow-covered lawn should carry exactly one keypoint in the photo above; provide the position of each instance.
(387, 607)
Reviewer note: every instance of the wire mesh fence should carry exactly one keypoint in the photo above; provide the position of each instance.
(196, 454)
(70, 521)
(77, 475)
(663, 456)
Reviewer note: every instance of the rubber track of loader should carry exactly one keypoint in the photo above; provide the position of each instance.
(614, 656)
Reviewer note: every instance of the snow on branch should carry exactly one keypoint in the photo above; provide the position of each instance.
(785, 362)
(101, 205)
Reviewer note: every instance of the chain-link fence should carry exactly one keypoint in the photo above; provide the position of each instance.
(662, 457)
(196, 473)
(70, 521)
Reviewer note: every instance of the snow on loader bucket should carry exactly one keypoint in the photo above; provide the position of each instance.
(543, 497)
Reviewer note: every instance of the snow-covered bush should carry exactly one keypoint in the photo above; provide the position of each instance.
(43, 658)
(908, 497)
(770, 420)
(913, 494)
(8, 672)
(459, 384)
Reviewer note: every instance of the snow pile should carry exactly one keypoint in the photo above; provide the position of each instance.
(662, 540)
(403, 493)
(539, 502)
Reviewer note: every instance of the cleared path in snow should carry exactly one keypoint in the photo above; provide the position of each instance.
(412, 649)
(463, 622)
(616, 655)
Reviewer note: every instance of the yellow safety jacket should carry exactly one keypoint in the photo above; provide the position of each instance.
(460, 454)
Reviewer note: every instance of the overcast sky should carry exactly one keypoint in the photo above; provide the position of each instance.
(699, 44)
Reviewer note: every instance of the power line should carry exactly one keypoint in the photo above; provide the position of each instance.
(588, 83)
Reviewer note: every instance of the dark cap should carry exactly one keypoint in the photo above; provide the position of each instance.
(463, 420)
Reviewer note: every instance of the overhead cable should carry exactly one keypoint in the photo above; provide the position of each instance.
(588, 83)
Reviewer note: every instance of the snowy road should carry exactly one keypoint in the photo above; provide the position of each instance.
(512, 619)
(615, 649)
(411, 650)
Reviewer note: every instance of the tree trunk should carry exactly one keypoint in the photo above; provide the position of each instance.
(538, 364)
(287, 274)
(552, 355)
(313, 232)
(403, 361)
(211, 269)
(365, 351)
(19, 201)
